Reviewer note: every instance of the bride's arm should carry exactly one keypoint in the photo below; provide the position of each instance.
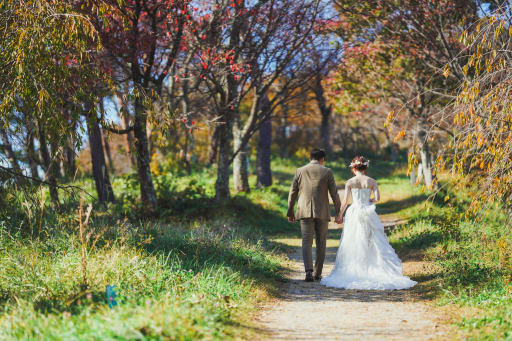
(344, 204)
(376, 192)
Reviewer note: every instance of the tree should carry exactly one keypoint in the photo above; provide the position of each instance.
(142, 41)
(481, 148)
(263, 169)
(40, 40)
(261, 43)
(401, 49)
(100, 170)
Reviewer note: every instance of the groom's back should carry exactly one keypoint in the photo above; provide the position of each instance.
(312, 184)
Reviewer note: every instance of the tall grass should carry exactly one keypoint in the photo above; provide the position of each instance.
(193, 272)
(472, 258)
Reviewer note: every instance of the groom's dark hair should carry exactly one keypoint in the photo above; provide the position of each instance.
(317, 154)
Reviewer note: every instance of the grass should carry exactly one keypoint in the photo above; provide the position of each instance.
(200, 269)
(197, 271)
(472, 262)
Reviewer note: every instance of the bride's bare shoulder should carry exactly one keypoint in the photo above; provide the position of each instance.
(372, 181)
(351, 181)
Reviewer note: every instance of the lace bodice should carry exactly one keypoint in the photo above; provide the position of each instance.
(361, 196)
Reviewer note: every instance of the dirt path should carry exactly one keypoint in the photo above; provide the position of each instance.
(312, 311)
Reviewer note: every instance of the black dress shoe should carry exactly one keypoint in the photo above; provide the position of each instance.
(309, 277)
(318, 277)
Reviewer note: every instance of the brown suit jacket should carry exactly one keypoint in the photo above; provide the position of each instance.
(311, 185)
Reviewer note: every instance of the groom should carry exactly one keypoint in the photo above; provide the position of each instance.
(311, 185)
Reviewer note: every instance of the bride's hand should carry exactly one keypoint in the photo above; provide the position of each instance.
(339, 219)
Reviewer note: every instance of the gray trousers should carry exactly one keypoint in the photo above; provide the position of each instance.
(317, 227)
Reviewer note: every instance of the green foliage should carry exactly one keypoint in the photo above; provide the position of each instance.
(177, 283)
(472, 258)
(193, 273)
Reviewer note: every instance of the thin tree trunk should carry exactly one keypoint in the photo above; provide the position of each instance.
(99, 167)
(125, 115)
(31, 155)
(189, 136)
(229, 101)
(53, 172)
(426, 157)
(214, 145)
(412, 176)
(107, 151)
(50, 166)
(147, 189)
(420, 178)
(129, 139)
(69, 162)
(240, 168)
(283, 133)
(9, 152)
(43, 150)
(394, 152)
(325, 111)
(222, 183)
(264, 171)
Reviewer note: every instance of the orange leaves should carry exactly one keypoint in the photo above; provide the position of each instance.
(389, 118)
(399, 136)
(446, 72)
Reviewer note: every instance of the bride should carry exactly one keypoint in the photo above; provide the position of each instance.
(365, 260)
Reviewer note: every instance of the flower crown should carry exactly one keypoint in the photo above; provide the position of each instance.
(359, 163)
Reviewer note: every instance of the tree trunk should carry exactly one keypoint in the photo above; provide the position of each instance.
(125, 115)
(31, 155)
(426, 157)
(107, 151)
(9, 152)
(99, 167)
(230, 104)
(69, 162)
(264, 171)
(394, 152)
(420, 178)
(283, 132)
(325, 111)
(240, 163)
(129, 139)
(50, 166)
(53, 172)
(222, 183)
(189, 135)
(214, 145)
(325, 131)
(412, 176)
(147, 189)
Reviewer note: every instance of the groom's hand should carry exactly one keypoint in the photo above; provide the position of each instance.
(291, 219)
(339, 220)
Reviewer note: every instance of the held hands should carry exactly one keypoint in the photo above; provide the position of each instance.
(291, 219)
(339, 219)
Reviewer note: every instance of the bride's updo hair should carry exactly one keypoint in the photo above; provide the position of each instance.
(359, 163)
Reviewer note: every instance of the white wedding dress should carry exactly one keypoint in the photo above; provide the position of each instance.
(365, 259)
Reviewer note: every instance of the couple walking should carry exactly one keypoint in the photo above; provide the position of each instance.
(365, 259)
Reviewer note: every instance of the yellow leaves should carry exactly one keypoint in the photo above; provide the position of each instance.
(399, 136)
(465, 69)
(446, 198)
(446, 71)
(389, 118)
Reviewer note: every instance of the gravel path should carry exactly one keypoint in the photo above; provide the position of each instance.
(312, 311)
